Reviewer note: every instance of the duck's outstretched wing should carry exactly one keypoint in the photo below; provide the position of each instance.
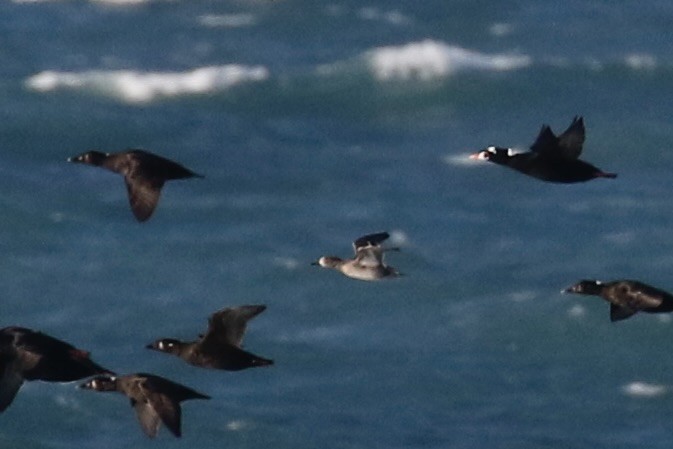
(157, 399)
(370, 240)
(546, 143)
(368, 251)
(143, 195)
(147, 416)
(618, 313)
(228, 325)
(571, 141)
(10, 382)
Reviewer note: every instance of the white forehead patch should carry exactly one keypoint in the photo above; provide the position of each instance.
(491, 149)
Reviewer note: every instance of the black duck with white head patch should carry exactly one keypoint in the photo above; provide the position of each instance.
(552, 158)
(154, 398)
(626, 297)
(368, 264)
(29, 355)
(144, 174)
(220, 346)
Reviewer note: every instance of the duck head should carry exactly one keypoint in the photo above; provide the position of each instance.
(92, 157)
(101, 383)
(328, 262)
(169, 345)
(493, 154)
(585, 287)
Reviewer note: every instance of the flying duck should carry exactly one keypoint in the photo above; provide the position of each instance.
(367, 265)
(144, 174)
(553, 159)
(154, 398)
(29, 355)
(220, 346)
(626, 297)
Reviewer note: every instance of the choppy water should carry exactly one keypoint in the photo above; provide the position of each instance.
(316, 122)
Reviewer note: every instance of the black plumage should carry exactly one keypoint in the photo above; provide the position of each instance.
(220, 346)
(552, 158)
(29, 355)
(144, 174)
(155, 399)
(626, 297)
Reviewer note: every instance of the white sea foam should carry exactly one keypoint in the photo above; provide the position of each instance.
(577, 311)
(429, 60)
(500, 29)
(238, 424)
(289, 263)
(641, 61)
(227, 20)
(644, 390)
(398, 237)
(142, 87)
(393, 17)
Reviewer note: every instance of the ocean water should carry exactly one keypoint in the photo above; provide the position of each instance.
(315, 122)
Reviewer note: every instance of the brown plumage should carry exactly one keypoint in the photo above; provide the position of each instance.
(29, 355)
(626, 297)
(144, 174)
(220, 346)
(154, 398)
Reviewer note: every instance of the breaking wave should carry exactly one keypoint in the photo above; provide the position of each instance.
(429, 59)
(143, 87)
(644, 390)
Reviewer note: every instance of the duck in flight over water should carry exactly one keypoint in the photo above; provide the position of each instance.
(626, 297)
(552, 158)
(144, 174)
(367, 265)
(154, 398)
(220, 346)
(26, 354)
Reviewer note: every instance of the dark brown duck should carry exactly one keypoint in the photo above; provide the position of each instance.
(29, 355)
(154, 398)
(626, 297)
(220, 346)
(144, 174)
(552, 158)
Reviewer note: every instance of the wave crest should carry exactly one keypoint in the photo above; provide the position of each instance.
(643, 389)
(142, 87)
(428, 60)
